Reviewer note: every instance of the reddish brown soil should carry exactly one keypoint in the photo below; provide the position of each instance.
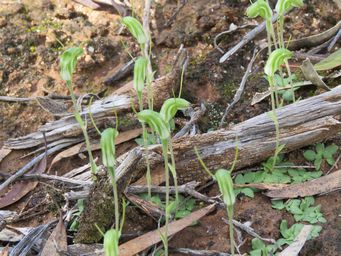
(29, 50)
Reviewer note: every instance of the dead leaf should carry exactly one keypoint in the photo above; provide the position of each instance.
(52, 106)
(310, 74)
(296, 246)
(20, 188)
(57, 242)
(143, 242)
(259, 96)
(74, 150)
(80, 147)
(4, 152)
(322, 185)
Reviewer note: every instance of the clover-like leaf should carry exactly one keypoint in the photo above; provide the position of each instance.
(259, 8)
(310, 155)
(140, 68)
(110, 243)
(320, 148)
(135, 28)
(283, 6)
(276, 59)
(108, 137)
(156, 122)
(171, 106)
(225, 183)
(317, 163)
(68, 61)
(330, 151)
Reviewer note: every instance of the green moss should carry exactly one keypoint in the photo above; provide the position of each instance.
(45, 24)
(214, 115)
(229, 89)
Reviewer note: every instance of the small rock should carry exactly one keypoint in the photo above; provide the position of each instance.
(3, 22)
(50, 38)
(11, 50)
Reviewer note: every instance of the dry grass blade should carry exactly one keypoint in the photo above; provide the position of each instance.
(143, 242)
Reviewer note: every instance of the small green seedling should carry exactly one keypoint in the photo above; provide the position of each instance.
(321, 153)
(289, 234)
(68, 62)
(75, 222)
(302, 209)
(286, 94)
(259, 248)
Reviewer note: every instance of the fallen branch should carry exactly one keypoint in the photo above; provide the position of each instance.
(246, 39)
(322, 185)
(240, 90)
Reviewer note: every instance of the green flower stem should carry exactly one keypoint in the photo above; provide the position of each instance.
(165, 158)
(144, 135)
(174, 173)
(230, 216)
(271, 34)
(83, 127)
(275, 120)
(281, 44)
(290, 80)
(111, 171)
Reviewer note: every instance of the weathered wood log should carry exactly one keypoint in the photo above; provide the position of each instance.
(102, 110)
(302, 123)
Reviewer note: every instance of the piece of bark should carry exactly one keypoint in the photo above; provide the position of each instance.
(99, 207)
(322, 185)
(314, 40)
(104, 109)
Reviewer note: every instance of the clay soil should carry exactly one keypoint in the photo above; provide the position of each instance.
(34, 33)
